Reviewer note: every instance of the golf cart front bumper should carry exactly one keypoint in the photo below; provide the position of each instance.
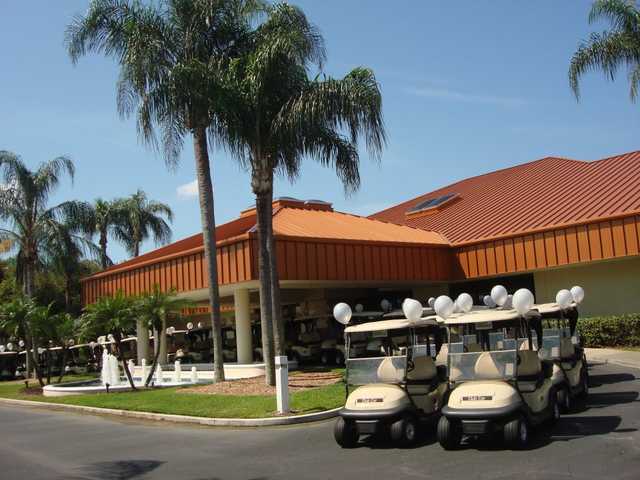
(369, 421)
(480, 421)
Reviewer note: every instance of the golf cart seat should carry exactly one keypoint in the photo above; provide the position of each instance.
(529, 370)
(567, 349)
(424, 369)
(388, 372)
(568, 355)
(486, 368)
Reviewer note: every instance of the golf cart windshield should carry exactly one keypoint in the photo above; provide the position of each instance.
(491, 365)
(363, 371)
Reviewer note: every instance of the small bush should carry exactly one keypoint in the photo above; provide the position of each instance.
(610, 331)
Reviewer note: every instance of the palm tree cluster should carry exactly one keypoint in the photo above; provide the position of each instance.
(245, 75)
(130, 221)
(118, 316)
(58, 239)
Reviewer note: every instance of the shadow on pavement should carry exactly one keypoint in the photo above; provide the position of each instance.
(121, 470)
(609, 378)
(600, 400)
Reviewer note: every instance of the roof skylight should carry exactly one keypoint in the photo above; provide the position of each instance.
(432, 203)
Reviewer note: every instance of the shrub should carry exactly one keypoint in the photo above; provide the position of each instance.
(610, 331)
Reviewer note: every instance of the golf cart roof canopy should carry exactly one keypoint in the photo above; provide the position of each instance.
(399, 314)
(397, 324)
(484, 316)
(550, 308)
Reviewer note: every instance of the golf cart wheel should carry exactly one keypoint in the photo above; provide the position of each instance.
(564, 397)
(449, 433)
(584, 381)
(516, 433)
(556, 402)
(404, 431)
(345, 433)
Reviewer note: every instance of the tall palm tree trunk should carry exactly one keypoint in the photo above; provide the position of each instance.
(104, 260)
(205, 196)
(274, 280)
(29, 289)
(263, 207)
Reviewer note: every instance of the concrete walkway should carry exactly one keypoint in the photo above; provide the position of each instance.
(625, 358)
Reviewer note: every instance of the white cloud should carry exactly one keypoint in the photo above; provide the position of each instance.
(457, 96)
(188, 190)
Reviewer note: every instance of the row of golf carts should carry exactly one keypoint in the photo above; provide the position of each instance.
(479, 371)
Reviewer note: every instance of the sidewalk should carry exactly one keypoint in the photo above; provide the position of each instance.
(625, 358)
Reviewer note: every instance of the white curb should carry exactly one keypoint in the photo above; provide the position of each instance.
(185, 419)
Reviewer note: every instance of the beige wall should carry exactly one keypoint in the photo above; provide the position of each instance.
(611, 287)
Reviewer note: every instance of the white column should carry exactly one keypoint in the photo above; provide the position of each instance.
(243, 325)
(142, 341)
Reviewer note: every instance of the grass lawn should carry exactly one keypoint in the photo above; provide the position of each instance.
(171, 401)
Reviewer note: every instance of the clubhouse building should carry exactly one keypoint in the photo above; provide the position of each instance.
(545, 225)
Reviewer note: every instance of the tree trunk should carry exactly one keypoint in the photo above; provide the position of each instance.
(274, 280)
(120, 356)
(48, 357)
(28, 289)
(207, 214)
(64, 361)
(154, 365)
(162, 349)
(263, 201)
(104, 260)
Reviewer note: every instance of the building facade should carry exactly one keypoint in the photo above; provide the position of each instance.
(544, 225)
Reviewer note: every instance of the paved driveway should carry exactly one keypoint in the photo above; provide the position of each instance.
(602, 441)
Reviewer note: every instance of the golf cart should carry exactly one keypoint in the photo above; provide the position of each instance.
(560, 345)
(306, 347)
(395, 388)
(333, 347)
(496, 386)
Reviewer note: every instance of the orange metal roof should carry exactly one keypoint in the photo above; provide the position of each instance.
(543, 194)
(295, 218)
(297, 222)
(224, 232)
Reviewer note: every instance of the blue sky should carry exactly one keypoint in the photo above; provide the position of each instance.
(468, 87)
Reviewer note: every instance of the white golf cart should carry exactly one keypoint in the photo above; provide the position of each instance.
(561, 345)
(495, 385)
(395, 389)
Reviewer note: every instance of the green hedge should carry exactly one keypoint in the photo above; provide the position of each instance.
(610, 331)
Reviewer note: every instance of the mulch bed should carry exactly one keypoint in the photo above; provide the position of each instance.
(33, 391)
(256, 386)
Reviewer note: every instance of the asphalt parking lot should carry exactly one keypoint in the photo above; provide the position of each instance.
(599, 441)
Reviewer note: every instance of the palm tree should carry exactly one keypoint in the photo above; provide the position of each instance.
(141, 219)
(171, 55)
(282, 116)
(117, 317)
(611, 49)
(155, 308)
(65, 253)
(32, 227)
(106, 218)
